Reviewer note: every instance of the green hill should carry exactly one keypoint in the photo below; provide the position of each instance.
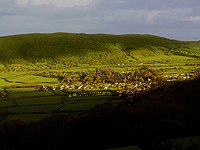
(91, 48)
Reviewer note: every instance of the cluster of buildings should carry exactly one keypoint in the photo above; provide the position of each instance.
(100, 88)
(128, 87)
(132, 87)
(178, 77)
(3, 93)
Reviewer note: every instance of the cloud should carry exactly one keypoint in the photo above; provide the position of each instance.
(146, 17)
(171, 18)
(193, 18)
(57, 3)
(131, 17)
(22, 2)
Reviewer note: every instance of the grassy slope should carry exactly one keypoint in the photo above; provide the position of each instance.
(90, 48)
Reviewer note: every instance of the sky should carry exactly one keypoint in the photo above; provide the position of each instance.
(175, 19)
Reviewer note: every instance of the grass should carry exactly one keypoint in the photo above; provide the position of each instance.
(11, 74)
(33, 109)
(24, 56)
(72, 49)
(30, 94)
(5, 103)
(20, 90)
(40, 100)
(83, 104)
(3, 83)
(27, 102)
(17, 78)
(28, 117)
(31, 79)
(172, 64)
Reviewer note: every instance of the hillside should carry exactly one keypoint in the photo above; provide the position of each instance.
(151, 120)
(91, 48)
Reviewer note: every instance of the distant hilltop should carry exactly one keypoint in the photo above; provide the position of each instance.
(92, 48)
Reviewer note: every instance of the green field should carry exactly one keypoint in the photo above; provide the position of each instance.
(31, 60)
(35, 104)
(24, 56)
(68, 49)
(13, 79)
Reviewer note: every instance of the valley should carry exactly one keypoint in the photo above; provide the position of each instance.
(99, 85)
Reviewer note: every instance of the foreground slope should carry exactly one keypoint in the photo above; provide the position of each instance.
(149, 120)
(91, 48)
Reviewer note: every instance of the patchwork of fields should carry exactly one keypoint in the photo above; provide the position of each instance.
(65, 61)
(23, 101)
(32, 105)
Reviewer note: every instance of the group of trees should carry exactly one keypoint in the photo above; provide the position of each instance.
(105, 76)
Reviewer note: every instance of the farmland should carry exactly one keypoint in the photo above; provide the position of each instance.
(37, 104)
(46, 65)
(121, 90)
(33, 95)
(160, 118)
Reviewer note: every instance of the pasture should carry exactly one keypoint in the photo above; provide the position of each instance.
(14, 79)
(25, 102)
(31, 105)
(173, 64)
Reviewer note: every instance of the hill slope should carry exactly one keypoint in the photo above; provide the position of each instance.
(151, 120)
(90, 48)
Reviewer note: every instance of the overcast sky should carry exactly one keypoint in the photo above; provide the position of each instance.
(176, 19)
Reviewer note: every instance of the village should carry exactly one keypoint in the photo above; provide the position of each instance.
(4, 93)
(106, 79)
(107, 82)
